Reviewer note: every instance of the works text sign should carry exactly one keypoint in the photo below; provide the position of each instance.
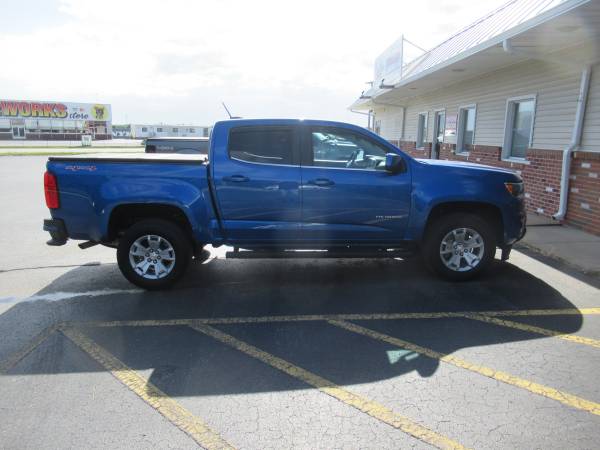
(54, 110)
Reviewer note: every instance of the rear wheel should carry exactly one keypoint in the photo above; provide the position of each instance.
(153, 253)
(459, 246)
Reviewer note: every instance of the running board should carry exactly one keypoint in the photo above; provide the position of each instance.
(319, 254)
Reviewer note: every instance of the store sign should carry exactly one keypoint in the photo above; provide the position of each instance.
(55, 110)
(450, 129)
(388, 65)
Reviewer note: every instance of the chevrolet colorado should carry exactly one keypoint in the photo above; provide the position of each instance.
(271, 186)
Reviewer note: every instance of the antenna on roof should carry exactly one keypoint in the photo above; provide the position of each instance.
(228, 113)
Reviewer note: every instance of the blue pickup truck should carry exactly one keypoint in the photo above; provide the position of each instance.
(270, 187)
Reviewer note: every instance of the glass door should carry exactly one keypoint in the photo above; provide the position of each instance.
(18, 132)
(439, 125)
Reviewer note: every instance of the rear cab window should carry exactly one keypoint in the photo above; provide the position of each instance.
(177, 146)
(264, 145)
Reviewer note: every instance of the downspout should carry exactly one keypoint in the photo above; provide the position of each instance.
(403, 122)
(575, 142)
(577, 128)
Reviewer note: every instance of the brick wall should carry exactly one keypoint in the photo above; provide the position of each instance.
(541, 175)
(584, 196)
(410, 147)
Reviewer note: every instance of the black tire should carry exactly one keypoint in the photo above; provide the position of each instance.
(179, 241)
(436, 233)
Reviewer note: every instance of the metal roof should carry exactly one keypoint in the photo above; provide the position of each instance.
(508, 16)
(510, 19)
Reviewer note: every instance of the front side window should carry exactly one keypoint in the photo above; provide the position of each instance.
(345, 149)
(266, 146)
(519, 127)
(466, 132)
(421, 129)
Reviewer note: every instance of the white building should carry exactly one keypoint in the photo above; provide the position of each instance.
(519, 88)
(52, 120)
(139, 131)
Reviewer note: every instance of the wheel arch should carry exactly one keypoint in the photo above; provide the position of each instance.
(125, 215)
(487, 211)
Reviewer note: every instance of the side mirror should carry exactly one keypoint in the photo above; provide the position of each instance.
(394, 163)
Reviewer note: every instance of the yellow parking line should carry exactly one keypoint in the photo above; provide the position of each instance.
(541, 312)
(363, 404)
(533, 329)
(169, 408)
(9, 363)
(554, 394)
(315, 317)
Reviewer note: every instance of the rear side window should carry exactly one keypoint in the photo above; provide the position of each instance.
(261, 145)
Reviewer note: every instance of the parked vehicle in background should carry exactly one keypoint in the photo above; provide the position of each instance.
(279, 185)
(182, 145)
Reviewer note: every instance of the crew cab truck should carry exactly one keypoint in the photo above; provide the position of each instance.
(271, 186)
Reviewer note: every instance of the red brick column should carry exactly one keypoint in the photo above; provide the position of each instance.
(584, 197)
(410, 147)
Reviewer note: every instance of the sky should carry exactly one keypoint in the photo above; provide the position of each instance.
(175, 61)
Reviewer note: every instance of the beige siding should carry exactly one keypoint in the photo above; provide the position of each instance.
(391, 121)
(556, 87)
(590, 139)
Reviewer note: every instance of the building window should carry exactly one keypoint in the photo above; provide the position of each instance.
(192, 130)
(421, 129)
(205, 132)
(144, 129)
(159, 130)
(518, 133)
(175, 130)
(466, 128)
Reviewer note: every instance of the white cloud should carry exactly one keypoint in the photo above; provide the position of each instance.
(174, 61)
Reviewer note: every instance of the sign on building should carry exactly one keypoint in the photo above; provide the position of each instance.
(450, 125)
(55, 110)
(388, 65)
(49, 120)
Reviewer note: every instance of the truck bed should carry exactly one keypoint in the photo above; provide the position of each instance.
(134, 157)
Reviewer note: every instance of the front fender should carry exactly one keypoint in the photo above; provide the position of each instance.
(434, 185)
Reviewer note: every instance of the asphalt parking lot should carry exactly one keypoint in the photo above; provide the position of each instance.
(286, 353)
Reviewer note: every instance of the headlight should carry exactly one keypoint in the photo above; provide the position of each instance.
(515, 189)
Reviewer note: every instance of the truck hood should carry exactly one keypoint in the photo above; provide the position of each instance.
(464, 165)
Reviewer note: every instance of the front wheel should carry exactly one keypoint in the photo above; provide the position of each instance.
(459, 246)
(153, 254)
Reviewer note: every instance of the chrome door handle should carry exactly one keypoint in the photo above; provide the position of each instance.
(236, 178)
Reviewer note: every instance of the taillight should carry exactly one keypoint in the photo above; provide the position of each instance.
(51, 191)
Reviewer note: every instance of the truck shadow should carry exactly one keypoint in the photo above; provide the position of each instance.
(184, 362)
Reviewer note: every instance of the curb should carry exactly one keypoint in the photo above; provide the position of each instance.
(554, 257)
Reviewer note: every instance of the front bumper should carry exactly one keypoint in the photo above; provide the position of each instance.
(57, 230)
(515, 223)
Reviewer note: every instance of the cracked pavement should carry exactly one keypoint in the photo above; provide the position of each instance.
(57, 395)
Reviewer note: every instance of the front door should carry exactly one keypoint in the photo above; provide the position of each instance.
(18, 132)
(347, 196)
(257, 185)
(439, 127)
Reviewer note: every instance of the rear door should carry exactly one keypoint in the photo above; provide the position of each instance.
(348, 197)
(257, 185)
